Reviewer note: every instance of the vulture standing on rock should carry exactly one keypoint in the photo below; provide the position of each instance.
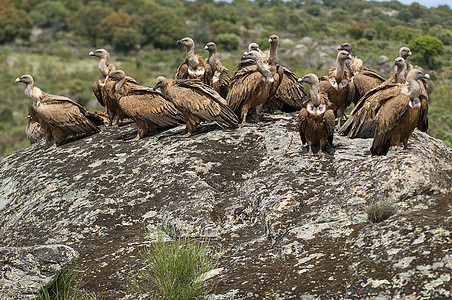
(217, 75)
(104, 88)
(149, 109)
(33, 131)
(58, 116)
(194, 66)
(361, 122)
(251, 86)
(336, 85)
(362, 79)
(197, 101)
(316, 119)
(289, 95)
(402, 111)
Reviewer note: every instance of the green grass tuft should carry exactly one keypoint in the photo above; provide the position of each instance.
(380, 211)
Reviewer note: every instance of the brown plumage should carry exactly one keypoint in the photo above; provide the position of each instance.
(58, 116)
(193, 66)
(336, 85)
(399, 114)
(104, 88)
(217, 76)
(316, 119)
(251, 86)
(362, 78)
(149, 109)
(197, 101)
(289, 95)
(33, 131)
(361, 122)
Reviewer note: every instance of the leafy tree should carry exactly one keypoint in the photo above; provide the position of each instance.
(426, 49)
(85, 21)
(14, 23)
(404, 34)
(125, 39)
(219, 27)
(108, 26)
(163, 29)
(48, 13)
(227, 41)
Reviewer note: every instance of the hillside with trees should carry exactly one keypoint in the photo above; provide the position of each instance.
(51, 41)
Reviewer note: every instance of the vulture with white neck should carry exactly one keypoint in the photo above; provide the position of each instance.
(316, 118)
(336, 85)
(289, 95)
(361, 122)
(217, 75)
(149, 109)
(104, 88)
(194, 66)
(251, 86)
(400, 114)
(362, 78)
(197, 101)
(59, 116)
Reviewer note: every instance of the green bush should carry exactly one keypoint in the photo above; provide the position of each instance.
(48, 13)
(380, 211)
(111, 23)
(125, 39)
(14, 23)
(175, 268)
(426, 49)
(227, 41)
(163, 29)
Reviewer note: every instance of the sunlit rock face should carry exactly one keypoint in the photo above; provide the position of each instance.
(287, 224)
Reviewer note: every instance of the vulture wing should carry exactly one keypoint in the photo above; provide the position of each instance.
(289, 92)
(97, 90)
(302, 121)
(242, 86)
(33, 130)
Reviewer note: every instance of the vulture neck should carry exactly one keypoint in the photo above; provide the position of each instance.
(314, 93)
(103, 67)
(413, 88)
(191, 57)
(119, 87)
(264, 70)
(272, 56)
(339, 71)
(34, 94)
(401, 74)
(212, 60)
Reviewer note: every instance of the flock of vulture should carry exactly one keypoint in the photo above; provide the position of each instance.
(203, 91)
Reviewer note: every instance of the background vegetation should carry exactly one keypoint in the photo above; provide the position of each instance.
(51, 41)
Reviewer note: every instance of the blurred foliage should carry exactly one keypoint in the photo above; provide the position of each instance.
(50, 39)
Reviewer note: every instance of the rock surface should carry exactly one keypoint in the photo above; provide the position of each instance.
(289, 224)
(24, 271)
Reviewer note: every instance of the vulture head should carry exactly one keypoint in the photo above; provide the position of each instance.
(100, 53)
(404, 52)
(117, 75)
(416, 74)
(343, 55)
(311, 79)
(253, 47)
(346, 47)
(273, 39)
(253, 55)
(211, 47)
(187, 42)
(158, 82)
(399, 62)
(27, 79)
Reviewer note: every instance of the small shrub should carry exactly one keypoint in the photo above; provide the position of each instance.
(380, 211)
(174, 268)
(67, 286)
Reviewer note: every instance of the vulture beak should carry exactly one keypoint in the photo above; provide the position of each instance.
(349, 56)
(409, 53)
(92, 53)
(302, 79)
(244, 56)
(157, 85)
(111, 75)
(426, 76)
(18, 80)
(179, 42)
(206, 48)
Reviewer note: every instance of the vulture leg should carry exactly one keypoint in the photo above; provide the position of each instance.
(310, 153)
(322, 147)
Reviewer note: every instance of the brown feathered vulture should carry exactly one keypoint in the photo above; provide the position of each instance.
(289, 95)
(149, 109)
(194, 66)
(251, 86)
(361, 122)
(33, 131)
(316, 118)
(336, 85)
(401, 112)
(362, 78)
(59, 116)
(197, 101)
(217, 75)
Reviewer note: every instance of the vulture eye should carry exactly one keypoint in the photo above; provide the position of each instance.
(320, 108)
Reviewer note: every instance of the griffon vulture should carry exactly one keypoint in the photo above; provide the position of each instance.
(149, 109)
(336, 85)
(251, 86)
(217, 75)
(361, 122)
(197, 101)
(362, 78)
(289, 95)
(33, 131)
(316, 118)
(58, 116)
(194, 66)
(400, 113)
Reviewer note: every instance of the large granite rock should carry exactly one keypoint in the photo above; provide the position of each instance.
(25, 271)
(289, 224)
